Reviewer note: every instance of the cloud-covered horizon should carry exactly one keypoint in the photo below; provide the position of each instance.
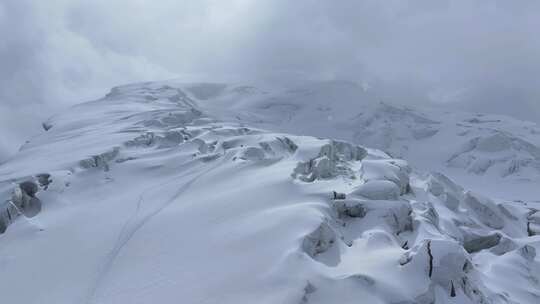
(477, 54)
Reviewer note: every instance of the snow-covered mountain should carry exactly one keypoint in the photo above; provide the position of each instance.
(169, 192)
(478, 149)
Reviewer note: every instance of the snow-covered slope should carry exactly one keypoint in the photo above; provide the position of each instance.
(479, 149)
(210, 193)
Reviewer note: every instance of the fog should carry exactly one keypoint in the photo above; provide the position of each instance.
(482, 55)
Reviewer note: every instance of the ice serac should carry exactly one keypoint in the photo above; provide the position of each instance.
(331, 161)
(464, 146)
(163, 192)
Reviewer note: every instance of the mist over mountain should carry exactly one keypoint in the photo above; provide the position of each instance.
(475, 53)
(272, 151)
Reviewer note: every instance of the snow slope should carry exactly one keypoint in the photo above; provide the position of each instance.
(211, 193)
(478, 149)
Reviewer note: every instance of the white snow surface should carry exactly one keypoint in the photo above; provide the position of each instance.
(169, 192)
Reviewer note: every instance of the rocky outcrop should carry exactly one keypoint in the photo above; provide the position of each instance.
(100, 161)
(331, 161)
(319, 241)
(23, 202)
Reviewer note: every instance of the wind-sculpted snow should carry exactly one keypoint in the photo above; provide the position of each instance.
(462, 145)
(159, 194)
(505, 154)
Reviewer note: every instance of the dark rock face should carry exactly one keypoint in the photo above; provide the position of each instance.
(349, 208)
(23, 201)
(319, 240)
(24, 198)
(30, 188)
(482, 242)
(3, 221)
(46, 126)
(44, 180)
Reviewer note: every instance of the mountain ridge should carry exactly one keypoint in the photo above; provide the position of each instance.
(156, 193)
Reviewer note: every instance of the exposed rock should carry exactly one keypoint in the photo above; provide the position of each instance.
(144, 140)
(44, 180)
(349, 208)
(280, 146)
(478, 243)
(504, 246)
(330, 162)
(319, 240)
(180, 118)
(170, 139)
(319, 168)
(29, 188)
(434, 186)
(46, 126)
(25, 200)
(337, 195)
(252, 154)
(100, 161)
(528, 252)
(167, 139)
(308, 290)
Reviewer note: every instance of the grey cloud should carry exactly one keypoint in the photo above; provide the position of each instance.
(466, 53)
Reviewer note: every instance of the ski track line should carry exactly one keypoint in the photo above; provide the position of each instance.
(134, 224)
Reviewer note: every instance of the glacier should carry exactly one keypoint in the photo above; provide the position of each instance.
(171, 192)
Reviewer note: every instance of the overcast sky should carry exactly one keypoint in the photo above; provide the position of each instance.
(480, 54)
